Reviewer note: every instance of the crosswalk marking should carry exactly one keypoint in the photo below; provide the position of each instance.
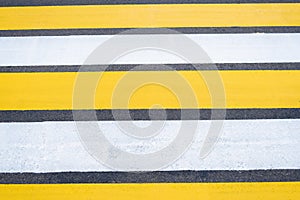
(242, 89)
(216, 191)
(255, 45)
(243, 145)
(149, 16)
(221, 48)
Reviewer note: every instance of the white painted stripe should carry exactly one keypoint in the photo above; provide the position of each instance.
(244, 144)
(221, 48)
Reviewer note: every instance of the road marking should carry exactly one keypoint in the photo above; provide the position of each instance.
(221, 48)
(149, 16)
(55, 90)
(238, 191)
(116, 2)
(243, 145)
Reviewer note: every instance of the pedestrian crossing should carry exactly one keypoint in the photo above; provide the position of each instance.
(91, 109)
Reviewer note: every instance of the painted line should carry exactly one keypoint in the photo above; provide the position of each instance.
(243, 145)
(143, 114)
(149, 16)
(113, 31)
(221, 48)
(169, 89)
(274, 175)
(152, 67)
(116, 2)
(235, 191)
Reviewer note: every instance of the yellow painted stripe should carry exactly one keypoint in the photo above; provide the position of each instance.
(193, 191)
(143, 89)
(147, 16)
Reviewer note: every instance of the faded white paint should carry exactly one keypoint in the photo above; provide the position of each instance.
(244, 144)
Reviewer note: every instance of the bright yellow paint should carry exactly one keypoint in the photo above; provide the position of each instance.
(144, 89)
(147, 16)
(167, 191)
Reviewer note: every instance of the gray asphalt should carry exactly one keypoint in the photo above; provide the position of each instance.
(152, 177)
(114, 2)
(151, 67)
(143, 114)
(113, 31)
